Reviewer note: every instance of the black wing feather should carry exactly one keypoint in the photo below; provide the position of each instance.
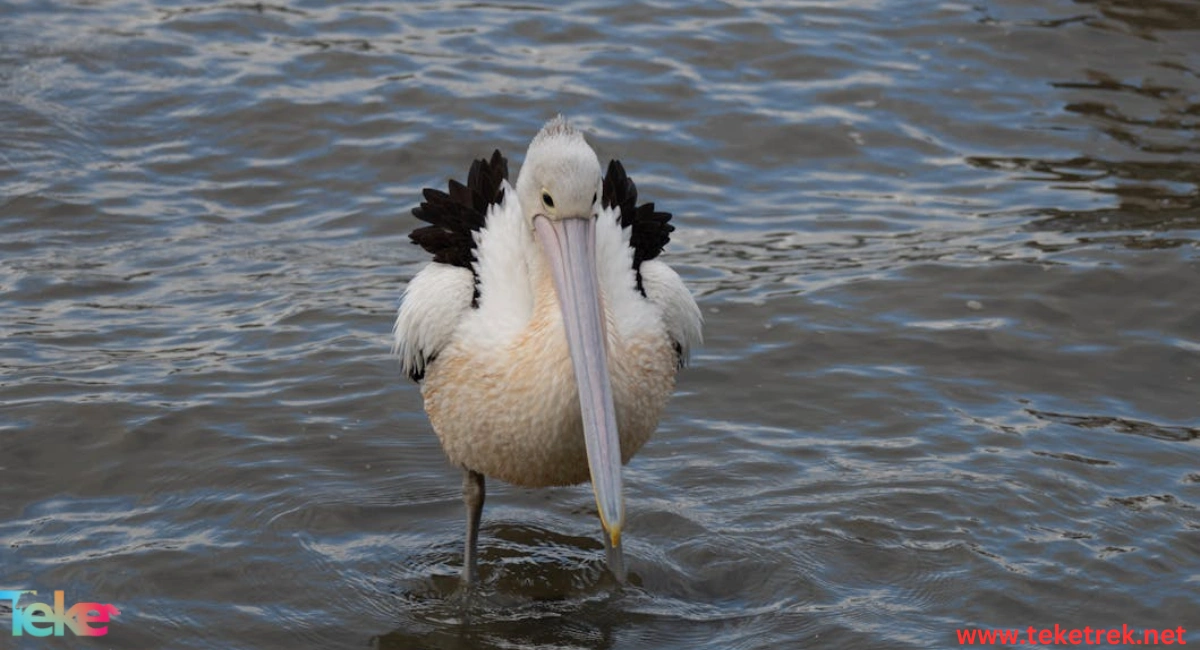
(454, 217)
(650, 231)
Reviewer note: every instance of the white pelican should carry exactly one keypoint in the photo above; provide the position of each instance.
(544, 333)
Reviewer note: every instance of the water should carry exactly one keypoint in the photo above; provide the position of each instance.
(947, 253)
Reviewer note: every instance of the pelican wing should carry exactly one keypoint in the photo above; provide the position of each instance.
(680, 314)
(649, 232)
(456, 217)
(438, 297)
(434, 302)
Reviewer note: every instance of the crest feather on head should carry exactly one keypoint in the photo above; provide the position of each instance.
(558, 127)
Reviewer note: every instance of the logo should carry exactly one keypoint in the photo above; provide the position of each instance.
(40, 619)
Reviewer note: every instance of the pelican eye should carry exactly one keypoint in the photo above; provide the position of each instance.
(594, 195)
(547, 200)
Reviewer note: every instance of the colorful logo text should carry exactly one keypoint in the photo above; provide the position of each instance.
(40, 619)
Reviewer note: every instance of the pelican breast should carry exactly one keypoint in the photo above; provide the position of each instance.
(512, 410)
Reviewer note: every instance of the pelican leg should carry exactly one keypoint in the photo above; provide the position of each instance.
(473, 495)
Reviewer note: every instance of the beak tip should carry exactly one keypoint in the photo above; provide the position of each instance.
(616, 557)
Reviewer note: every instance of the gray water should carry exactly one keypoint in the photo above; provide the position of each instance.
(948, 256)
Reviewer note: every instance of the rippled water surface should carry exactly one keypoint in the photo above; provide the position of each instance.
(947, 254)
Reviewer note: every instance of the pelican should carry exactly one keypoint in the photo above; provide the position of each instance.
(545, 335)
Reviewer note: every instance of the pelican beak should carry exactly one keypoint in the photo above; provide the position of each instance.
(570, 247)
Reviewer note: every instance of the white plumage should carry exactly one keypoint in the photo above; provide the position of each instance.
(436, 306)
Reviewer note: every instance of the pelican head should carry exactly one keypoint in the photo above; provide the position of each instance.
(559, 191)
(561, 176)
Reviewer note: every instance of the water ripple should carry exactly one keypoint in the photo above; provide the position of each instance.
(947, 256)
